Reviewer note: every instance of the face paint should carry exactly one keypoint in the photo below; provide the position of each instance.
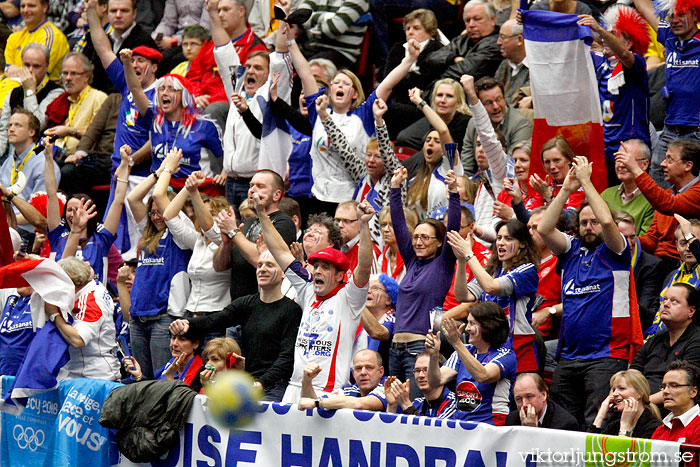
(378, 297)
(274, 274)
(511, 247)
(148, 67)
(476, 329)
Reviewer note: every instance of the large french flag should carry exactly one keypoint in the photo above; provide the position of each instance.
(564, 88)
(48, 351)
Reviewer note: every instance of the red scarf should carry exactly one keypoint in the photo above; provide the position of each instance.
(330, 294)
(57, 111)
(385, 264)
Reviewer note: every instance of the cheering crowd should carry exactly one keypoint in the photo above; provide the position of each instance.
(228, 187)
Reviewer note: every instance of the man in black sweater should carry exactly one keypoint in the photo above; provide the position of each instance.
(269, 323)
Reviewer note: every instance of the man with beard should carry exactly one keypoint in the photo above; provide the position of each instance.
(596, 321)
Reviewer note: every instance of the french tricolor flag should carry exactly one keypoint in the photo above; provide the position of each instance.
(564, 88)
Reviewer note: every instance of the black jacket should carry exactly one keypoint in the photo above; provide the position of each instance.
(648, 281)
(148, 416)
(555, 417)
(481, 58)
(644, 428)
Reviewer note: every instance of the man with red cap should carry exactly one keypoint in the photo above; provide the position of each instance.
(132, 127)
(331, 307)
(623, 84)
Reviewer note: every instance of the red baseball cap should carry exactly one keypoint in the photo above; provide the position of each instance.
(148, 52)
(331, 256)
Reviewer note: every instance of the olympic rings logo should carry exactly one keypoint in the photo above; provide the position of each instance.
(27, 437)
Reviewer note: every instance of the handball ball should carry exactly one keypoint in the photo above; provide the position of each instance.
(233, 400)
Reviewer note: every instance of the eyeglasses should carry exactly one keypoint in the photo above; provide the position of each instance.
(498, 100)
(66, 74)
(155, 214)
(422, 238)
(673, 386)
(593, 223)
(313, 232)
(339, 220)
(418, 371)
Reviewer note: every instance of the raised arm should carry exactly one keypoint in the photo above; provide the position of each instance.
(339, 144)
(547, 228)
(273, 239)
(160, 192)
(397, 74)
(611, 234)
(201, 213)
(374, 328)
(493, 149)
(114, 213)
(303, 69)
(364, 255)
(132, 81)
(86, 211)
(437, 375)
(26, 210)
(218, 34)
(433, 118)
(99, 38)
(465, 257)
(386, 151)
(647, 10)
(53, 212)
(611, 40)
(489, 373)
(136, 196)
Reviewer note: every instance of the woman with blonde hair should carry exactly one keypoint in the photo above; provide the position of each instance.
(351, 113)
(627, 410)
(450, 103)
(161, 285)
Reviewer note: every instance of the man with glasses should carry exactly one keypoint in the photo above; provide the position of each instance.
(509, 123)
(513, 71)
(349, 224)
(595, 297)
(687, 273)
(682, 170)
(626, 196)
(680, 340)
(72, 111)
(680, 390)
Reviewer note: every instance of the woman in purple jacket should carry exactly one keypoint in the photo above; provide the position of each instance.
(429, 264)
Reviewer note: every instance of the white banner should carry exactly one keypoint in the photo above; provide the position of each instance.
(281, 435)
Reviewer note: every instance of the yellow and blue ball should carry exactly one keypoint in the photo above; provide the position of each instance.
(233, 400)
